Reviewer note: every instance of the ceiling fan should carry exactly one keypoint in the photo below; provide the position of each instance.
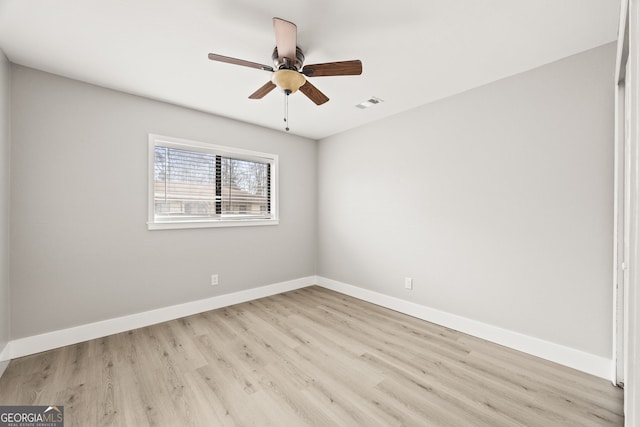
(289, 74)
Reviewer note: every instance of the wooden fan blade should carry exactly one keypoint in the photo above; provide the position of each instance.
(342, 68)
(265, 89)
(286, 39)
(313, 93)
(235, 61)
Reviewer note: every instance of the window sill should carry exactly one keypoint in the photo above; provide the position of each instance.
(211, 224)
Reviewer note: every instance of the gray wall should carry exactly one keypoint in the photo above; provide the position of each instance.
(497, 201)
(81, 251)
(5, 156)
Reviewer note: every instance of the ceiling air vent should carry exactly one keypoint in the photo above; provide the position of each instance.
(369, 103)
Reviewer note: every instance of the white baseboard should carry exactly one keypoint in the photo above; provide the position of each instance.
(50, 340)
(577, 359)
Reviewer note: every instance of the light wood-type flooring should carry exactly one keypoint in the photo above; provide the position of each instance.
(306, 357)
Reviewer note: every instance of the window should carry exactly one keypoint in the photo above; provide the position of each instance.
(194, 184)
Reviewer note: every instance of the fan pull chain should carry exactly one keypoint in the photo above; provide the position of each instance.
(286, 109)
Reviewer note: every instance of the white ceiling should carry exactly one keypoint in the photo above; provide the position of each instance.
(413, 51)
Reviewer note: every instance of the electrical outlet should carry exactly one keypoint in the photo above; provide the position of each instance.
(214, 280)
(408, 283)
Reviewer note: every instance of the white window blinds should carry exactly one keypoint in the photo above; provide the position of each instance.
(206, 183)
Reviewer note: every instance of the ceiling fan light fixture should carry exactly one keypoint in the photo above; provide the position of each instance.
(288, 80)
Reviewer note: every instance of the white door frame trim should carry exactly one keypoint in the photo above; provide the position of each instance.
(629, 49)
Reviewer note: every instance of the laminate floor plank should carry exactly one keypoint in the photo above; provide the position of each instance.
(79, 400)
(568, 393)
(309, 357)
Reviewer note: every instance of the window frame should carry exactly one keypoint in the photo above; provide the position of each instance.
(236, 153)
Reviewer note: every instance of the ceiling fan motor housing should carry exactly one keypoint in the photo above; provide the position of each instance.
(287, 65)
